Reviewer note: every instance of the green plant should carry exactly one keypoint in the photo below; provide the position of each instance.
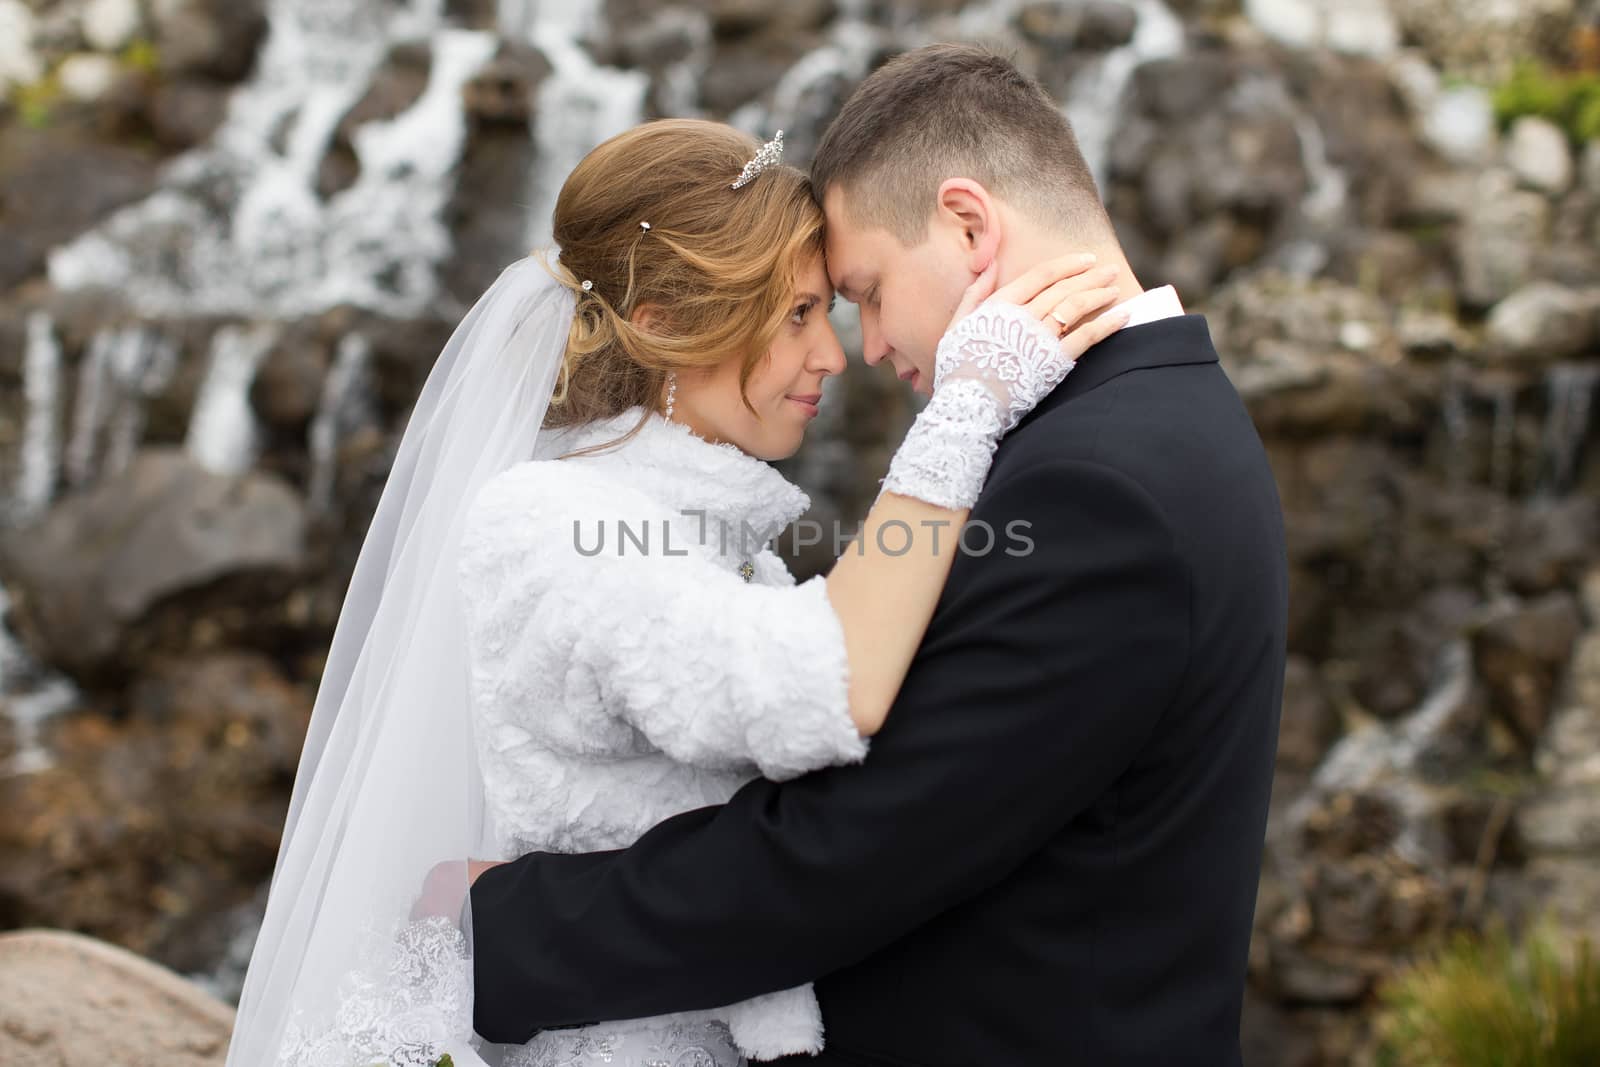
(141, 55)
(1571, 101)
(36, 102)
(1483, 1002)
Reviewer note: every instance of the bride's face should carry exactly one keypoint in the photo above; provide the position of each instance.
(785, 389)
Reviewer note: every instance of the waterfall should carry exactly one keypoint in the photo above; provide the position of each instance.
(1453, 409)
(1503, 439)
(678, 84)
(1392, 759)
(580, 104)
(1322, 209)
(1094, 100)
(120, 370)
(222, 429)
(1571, 389)
(143, 364)
(344, 404)
(41, 388)
(88, 414)
(28, 696)
(801, 100)
(256, 238)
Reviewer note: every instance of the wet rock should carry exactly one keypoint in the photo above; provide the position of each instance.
(1431, 333)
(1439, 196)
(505, 90)
(1375, 901)
(67, 999)
(397, 85)
(216, 39)
(1589, 172)
(1520, 653)
(56, 182)
(1312, 359)
(473, 14)
(487, 212)
(103, 577)
(1544, 323)
(1555, 542)
(1482, 40)
(151, 823)
(1499, 238)
(1537, 153)
(1094, 25)
(88, 78)
(1183, 86)
(1563, 819)
(19, 62)
(1566, 889)
(1300, 977)
(1395, 657)
(1460, 125)
(1569, 752)
(288, 387)
(1337, 939)
(733, 19)
(108, 25)
(1210, 172)
(1370, 146)
(182, 113)
(1310, 722)
(1483, 831)
(735, 78)
(1363, 28)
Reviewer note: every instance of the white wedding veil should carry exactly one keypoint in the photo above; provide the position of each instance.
(347, 968)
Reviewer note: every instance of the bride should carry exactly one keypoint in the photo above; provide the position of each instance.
(566, 623)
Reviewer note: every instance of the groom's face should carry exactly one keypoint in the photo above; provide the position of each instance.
(906, 296)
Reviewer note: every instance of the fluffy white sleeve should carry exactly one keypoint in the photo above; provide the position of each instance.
(713, 671)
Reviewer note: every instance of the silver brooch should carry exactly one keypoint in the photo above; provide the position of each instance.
(770, 154)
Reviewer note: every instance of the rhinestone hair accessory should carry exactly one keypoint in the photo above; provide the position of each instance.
(588, 286)
(771, 153)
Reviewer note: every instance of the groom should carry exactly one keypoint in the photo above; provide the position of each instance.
(1051, 854)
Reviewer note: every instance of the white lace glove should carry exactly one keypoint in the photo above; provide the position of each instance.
(992, 367)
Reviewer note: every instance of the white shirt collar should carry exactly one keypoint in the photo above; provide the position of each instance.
(1152, 305)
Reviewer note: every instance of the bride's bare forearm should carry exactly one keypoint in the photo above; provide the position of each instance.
(884, 589)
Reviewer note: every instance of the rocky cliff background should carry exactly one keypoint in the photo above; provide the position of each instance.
(234, 234)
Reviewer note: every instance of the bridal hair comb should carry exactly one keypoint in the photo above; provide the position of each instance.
(770, 154)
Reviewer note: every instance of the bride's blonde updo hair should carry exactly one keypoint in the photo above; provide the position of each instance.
(717, 266)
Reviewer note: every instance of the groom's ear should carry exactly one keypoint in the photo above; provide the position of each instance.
(965, 208)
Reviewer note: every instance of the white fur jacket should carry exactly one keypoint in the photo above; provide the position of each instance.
(624, 669)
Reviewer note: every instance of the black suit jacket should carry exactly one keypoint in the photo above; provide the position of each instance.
(1050, 855)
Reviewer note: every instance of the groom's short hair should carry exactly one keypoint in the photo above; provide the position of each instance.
(954, 111)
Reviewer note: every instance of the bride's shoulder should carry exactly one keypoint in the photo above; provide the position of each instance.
(553, 493)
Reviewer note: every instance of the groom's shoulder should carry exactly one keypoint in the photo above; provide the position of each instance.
(1170, 427)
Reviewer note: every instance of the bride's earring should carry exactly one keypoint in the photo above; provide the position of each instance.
(672, 391)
